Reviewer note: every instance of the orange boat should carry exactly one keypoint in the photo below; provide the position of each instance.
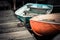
(45, 24)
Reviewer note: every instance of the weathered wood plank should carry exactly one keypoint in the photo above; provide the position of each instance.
(17, 35)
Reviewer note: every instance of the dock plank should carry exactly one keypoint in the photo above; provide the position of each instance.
(17, 35)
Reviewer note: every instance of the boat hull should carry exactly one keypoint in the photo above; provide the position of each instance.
(41, 28)
(23, 19)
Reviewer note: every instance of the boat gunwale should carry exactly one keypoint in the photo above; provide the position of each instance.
(45, 21)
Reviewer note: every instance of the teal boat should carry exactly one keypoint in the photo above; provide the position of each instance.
(30, 10)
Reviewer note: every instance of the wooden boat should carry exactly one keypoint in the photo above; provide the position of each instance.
(45, 24)
(24, 13)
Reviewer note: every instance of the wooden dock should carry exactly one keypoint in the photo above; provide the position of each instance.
(9, 29)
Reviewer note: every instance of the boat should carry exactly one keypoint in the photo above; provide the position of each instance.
(47, 24)
(24, 13)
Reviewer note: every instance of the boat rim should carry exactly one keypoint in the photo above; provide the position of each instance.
(45, 21)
